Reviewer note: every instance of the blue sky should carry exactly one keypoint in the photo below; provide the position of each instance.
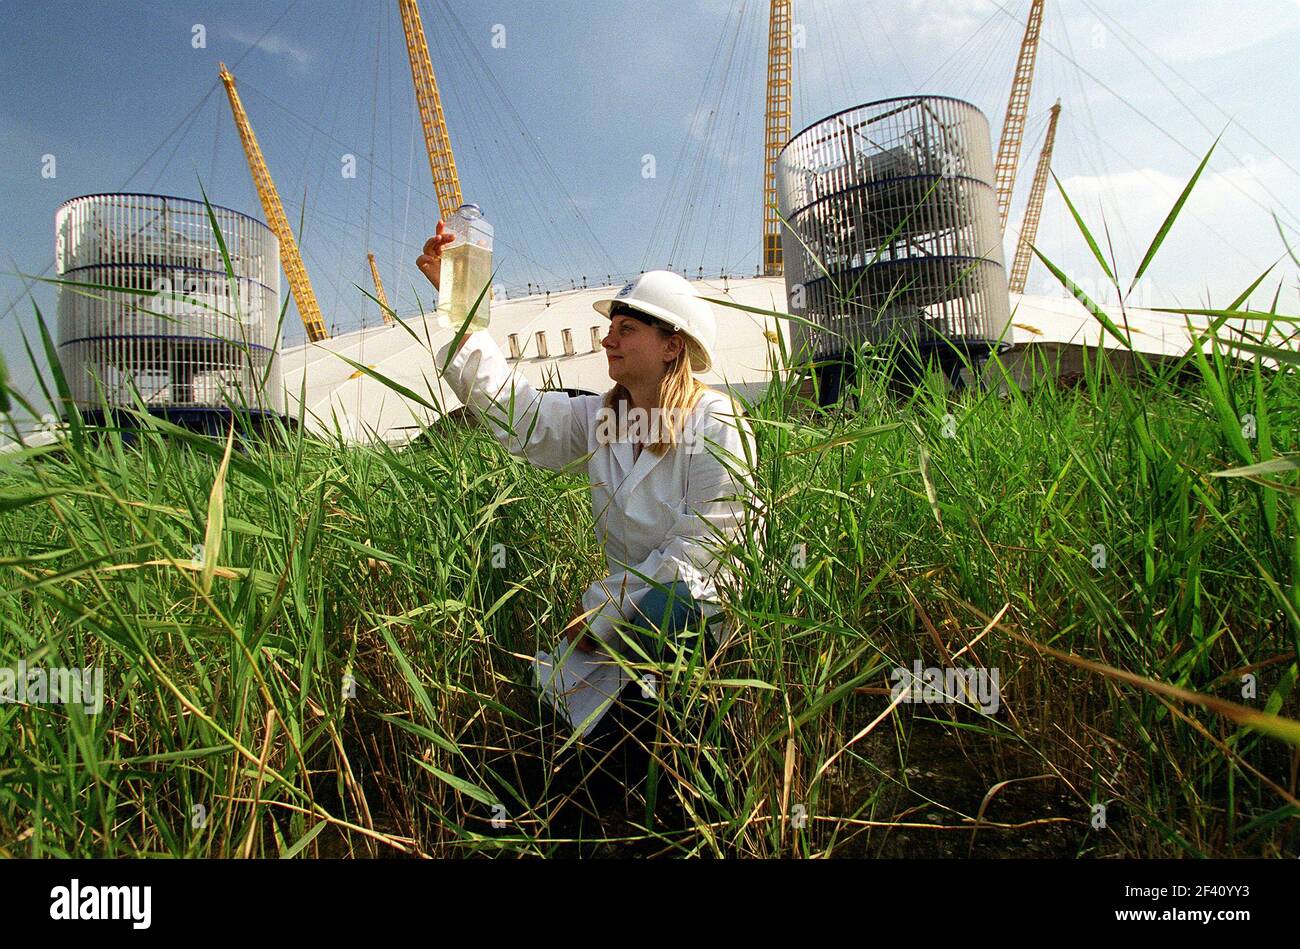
(553, 107)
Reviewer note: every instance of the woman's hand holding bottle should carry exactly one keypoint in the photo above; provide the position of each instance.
(430, 262)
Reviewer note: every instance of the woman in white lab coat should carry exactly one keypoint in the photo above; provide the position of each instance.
(667, 458)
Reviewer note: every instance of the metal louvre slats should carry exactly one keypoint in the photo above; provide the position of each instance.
(157, 308)
(892, 228)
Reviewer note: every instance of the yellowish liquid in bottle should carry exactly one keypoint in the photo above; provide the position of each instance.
(466, 270)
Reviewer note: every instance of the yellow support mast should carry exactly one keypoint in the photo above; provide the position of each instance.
(1029, 230)
(379, 291)
(777, 129)
(1013, 127)
(290, 258)
(446, 183)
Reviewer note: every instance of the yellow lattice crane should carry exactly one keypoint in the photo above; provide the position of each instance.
(778, 129)
(1013, 127)
(1034, 210)
(290, 258)
(384, 308)
(446, 183)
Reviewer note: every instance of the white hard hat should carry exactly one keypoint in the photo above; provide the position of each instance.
(670, 297)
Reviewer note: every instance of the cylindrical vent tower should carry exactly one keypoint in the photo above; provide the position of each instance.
(895, 230)
(194, 343)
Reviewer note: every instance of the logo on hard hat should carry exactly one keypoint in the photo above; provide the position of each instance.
(627, 288)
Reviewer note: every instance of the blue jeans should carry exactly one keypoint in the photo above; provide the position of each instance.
(660, 617)
(664, 615)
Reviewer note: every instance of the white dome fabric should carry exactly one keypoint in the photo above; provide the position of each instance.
(363, 410)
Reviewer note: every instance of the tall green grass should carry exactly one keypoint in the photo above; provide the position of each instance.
(344, 669)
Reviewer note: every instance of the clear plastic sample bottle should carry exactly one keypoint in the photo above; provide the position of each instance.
(466, 270)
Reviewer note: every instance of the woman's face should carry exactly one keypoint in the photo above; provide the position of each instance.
(637, 353)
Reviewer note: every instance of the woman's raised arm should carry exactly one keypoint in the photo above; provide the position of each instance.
(549, 429)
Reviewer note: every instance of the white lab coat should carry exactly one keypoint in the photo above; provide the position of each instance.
(666, 516)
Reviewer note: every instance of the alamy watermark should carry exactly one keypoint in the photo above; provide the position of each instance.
(60, 685)
(968, 686)
(646, 426)
(84, 901)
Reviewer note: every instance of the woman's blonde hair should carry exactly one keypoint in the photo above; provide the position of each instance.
(679, 391)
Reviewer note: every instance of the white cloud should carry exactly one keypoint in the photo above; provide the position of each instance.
(1220, 242)
(272, 45)
(946, 19)
(1209, 31)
